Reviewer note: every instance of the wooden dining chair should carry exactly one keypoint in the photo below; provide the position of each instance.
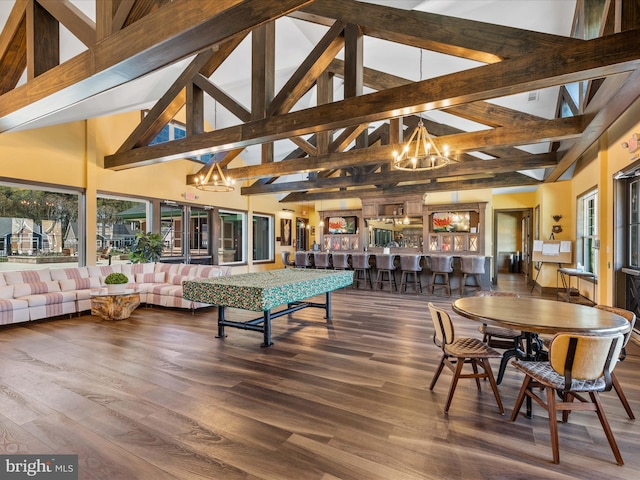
(631, 318)
(458, 351)
(577, 364)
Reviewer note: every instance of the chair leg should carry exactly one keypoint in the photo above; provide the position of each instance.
(618, 388)
(520, 398)
(494, 386)
(454, 383)
(474, 367)
(553, 423)
(595, 398)
(437, 374)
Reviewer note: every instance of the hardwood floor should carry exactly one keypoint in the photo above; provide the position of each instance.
(158, 397)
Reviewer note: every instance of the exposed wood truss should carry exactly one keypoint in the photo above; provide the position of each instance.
(330, 142)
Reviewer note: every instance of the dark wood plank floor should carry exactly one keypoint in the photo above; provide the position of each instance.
(158, 397)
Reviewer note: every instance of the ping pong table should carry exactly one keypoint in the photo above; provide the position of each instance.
(263, 292)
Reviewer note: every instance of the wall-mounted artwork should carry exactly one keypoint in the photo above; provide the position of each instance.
(285, 232)
(347, 225)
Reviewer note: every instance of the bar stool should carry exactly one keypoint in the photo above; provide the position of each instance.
(361, 269)
(286, 259)
(385, 265)
(321, 260)
(471, 266)
(441, 265)
(302, 260)
(340, 261)
(410, 267)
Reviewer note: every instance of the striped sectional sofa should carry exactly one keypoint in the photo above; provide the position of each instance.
(36, 294)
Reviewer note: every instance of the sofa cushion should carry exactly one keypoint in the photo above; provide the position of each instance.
(28, 276)
(167, 268)
(212, 271)
(104, 270)
(131, 270)
(35, 288)
(178, 279)
(3, 282)
(66, 273)
(6, 291)
(79, 284)
(158, 277)
(51, 298)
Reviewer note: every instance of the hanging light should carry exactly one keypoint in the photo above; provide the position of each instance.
(214, 180)
(420, 152)
(321, 222)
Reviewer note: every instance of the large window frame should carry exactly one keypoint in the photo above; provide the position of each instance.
(263, 237)
(587, 242)
(232, 241)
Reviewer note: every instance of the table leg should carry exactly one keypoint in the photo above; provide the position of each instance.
(266, 325)
(220, 322)
(328, 306)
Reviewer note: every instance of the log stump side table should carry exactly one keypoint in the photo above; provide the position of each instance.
(114, 306)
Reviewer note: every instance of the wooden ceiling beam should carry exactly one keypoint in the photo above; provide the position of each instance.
(166, 35)
(588, 59)
(81, 26)
(13, 47)
(231, 104)
(484, 42)
(43, 41)
(502, 165)
(532, 133)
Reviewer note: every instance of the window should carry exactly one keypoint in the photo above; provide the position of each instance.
(118, 220)
(587, 232)
(634, 224)
(233, 246)
(171, 229)
(39, 227)
(263, 234)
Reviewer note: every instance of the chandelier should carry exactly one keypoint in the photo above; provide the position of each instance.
(214, 180)
(420, 152)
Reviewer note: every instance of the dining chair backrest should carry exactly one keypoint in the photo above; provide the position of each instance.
(410, 263)
(443, 326)
(441, 263)
(584, 357)
(385, 261)
(627, 314)
(286, 259)
(340, 260)
(360, 260)
(472, 264)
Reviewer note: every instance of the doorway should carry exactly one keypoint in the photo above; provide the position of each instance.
(512, 242)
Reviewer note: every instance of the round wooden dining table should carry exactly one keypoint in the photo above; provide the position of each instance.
(533, 316)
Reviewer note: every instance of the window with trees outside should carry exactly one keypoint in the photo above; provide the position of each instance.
(38, 226)
(118, 220)
(263, 237)
(587, 231)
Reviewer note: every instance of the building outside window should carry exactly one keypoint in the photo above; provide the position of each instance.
(587, 232)
(263, 237)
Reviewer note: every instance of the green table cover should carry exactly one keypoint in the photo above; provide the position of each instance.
(262, 291)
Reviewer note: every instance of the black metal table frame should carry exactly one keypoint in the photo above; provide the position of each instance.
(263, 323)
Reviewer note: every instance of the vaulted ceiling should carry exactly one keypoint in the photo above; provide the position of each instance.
(315, 96)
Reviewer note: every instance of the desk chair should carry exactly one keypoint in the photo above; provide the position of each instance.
(441, 266)
(577, 364)
(631, 318)
(411, 269)
(386, 267)
(458, 351)
(471, 266)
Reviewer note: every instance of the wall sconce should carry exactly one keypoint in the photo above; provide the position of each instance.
(557, 218)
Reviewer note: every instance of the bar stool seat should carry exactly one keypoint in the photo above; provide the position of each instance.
(340, 261)
(361, 269)
(321, 260)
(411, 269)
(386, 267)
(302, 260)
(441, 266)
(471, 266)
